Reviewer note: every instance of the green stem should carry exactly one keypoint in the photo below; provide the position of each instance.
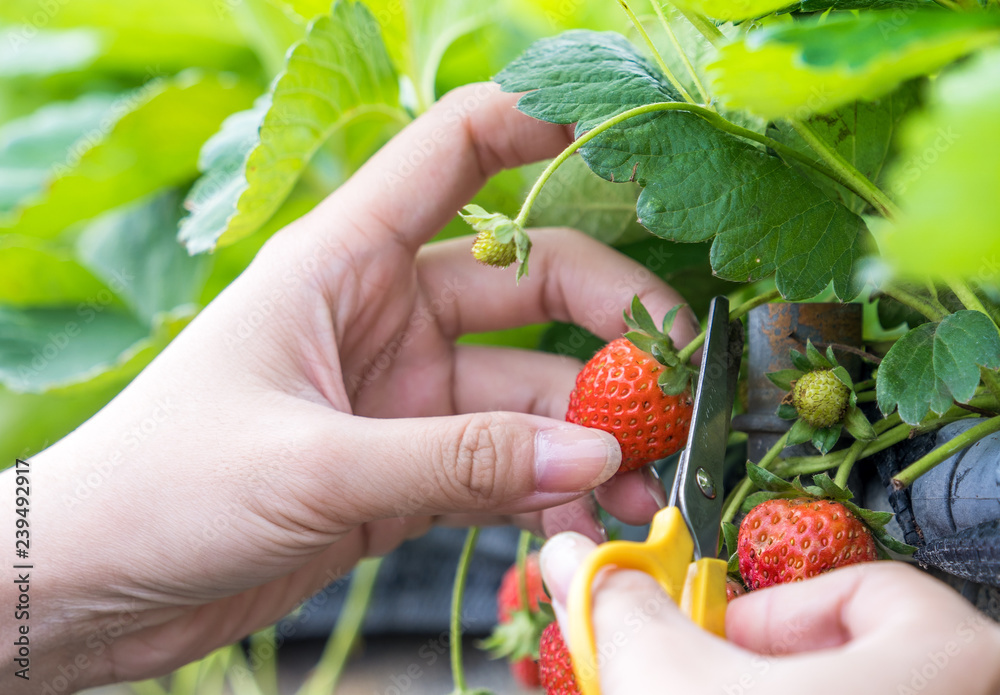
(523, 544)
(324, 678)
(913, 301)
(844, 470)
(263, 643)
(864, 385)
(859, 183)
(708, 114)
(457, 596)
(926, 463)
(867, 397)
(656, 54)
(704, 26)
(743, 489)
(684, 354)
(680, 51)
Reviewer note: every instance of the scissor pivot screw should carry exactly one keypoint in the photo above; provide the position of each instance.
(705, 483)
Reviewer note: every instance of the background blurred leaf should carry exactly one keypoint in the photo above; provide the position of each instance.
(815, 66)
(339, 73)
(47, 52)
(946, 179)
(32, 146)
(135, 251)
(862, 132)
(729, 10)
(148, 139)
(33, 273)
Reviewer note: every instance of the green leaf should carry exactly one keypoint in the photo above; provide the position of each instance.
(46, 349)
(30, 147)
(730, 534)
(816, 358)
(339, 73)
(698, 182)
(937, 363)
(800, 361)
(134, 250)
(857, 425)
(147, 140)
(944, 180)
(825, 439)
(733, 565)
(46, 52)
(642, 318)
(861, 132)
(800, 432)
(766, 480)
(830, 489)
(673, 380)
(787, 411)
(33, 273)
(824, 5)
(815, 66)
(843, 377)
(575, 197)
(783, 378)
(760, 497)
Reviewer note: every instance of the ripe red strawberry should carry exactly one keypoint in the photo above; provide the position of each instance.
(734, 589)
(509, 604)
(788, 540)
(618, 391)
(555, 664)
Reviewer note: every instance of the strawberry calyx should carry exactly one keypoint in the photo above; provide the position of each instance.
(771, 486)
(655, 341)
(519, 637)
(499, 240)
(821, 399)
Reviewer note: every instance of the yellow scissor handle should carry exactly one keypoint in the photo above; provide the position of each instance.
(699, 588)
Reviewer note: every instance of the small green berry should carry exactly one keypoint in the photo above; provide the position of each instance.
(820, 398)
(489, 251)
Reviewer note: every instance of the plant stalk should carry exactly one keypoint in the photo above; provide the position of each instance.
(927, 462)
(844, 470)
(708, 114)
(656, 54)
(457, 598)
(324, 678)
(523, 543)
(860, 183)
(743, 489)
(913, 301)
(706, 100)
(684, 354)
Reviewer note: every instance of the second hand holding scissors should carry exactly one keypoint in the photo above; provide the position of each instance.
(681, 550)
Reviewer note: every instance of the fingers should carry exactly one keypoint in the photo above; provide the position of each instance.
(415, 184)
(485, 463)
(522, 381)
(572, 278)
(633, 497)
(857, 601)
(642, 638)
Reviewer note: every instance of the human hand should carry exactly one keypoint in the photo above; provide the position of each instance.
(319, 411)
(868, 629)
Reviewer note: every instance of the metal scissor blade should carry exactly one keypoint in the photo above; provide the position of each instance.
(697, 488)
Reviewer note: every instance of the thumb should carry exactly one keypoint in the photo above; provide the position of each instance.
(494, 462)
(642, 637)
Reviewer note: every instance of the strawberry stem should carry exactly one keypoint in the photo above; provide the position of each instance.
(656, 54)
(913, 301)
(684, 354)
(735, 501)
(926, 463)
(523, 543)
(844, 470)
(457, 598)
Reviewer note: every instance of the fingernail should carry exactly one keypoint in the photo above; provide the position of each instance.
(574, 459)
(654, 486)
(560, 558)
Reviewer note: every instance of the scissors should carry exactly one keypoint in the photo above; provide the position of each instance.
(681, 550)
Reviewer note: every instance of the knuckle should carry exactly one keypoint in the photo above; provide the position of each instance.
(478, 458)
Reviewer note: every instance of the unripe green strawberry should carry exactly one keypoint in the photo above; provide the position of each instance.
(489, 251)
(788, 540)
(820, 398)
